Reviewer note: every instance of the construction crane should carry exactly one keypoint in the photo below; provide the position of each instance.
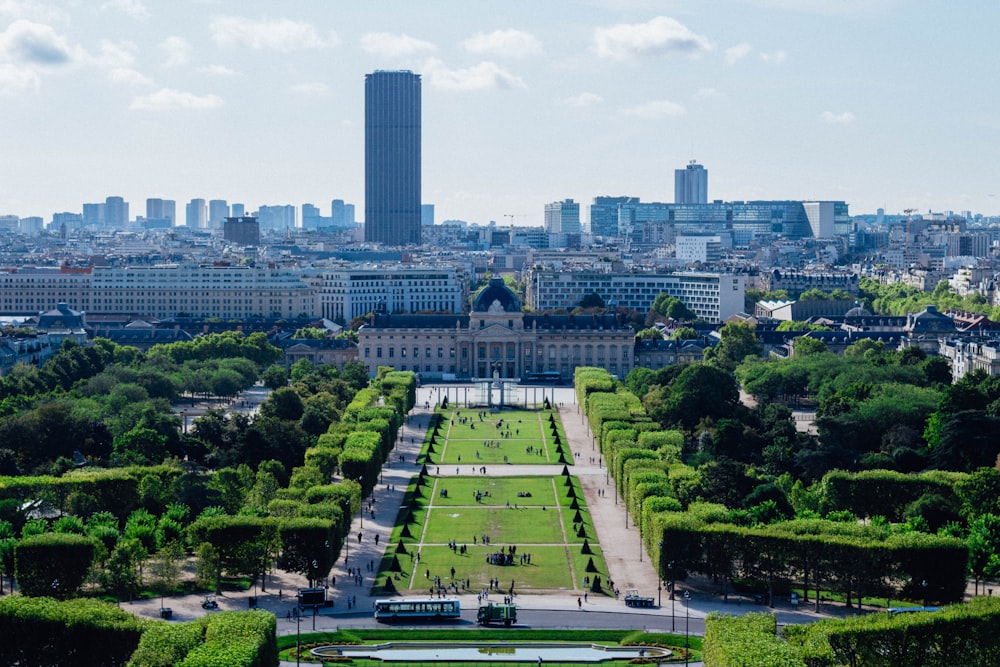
(909, 213)
(511, 217)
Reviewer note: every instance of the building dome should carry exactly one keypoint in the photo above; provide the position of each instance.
(496, 297)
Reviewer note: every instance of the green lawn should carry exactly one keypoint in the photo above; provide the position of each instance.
(510, 436)
(549, 519)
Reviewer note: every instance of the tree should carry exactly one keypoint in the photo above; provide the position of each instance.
(806, 345)
(283, 403)
(165, 567)
(52, 565)
(738, 341)
(274, 377)
(699, 392)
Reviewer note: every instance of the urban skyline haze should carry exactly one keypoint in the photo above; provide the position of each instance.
(880, 103)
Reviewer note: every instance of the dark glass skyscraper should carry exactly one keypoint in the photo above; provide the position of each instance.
(392, 157)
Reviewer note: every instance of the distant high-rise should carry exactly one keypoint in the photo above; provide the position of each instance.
(427, 214)
(604, 214)
(691, 184)
(161, 209)
(237, 210)
(562, 217)
(115, 212)
(392, 157)
(196, 214)
(218, 211)
(243, 230)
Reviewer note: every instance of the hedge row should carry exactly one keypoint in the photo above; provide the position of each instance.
(229, 639)
(884, 492)
(847, 557)
(962, 634)
(746, 641)
(43, 632)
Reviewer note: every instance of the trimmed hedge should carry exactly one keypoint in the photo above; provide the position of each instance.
(43, 632)
(747, 641)
(53, 564)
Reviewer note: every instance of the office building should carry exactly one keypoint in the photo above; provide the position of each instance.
(277, 218)
(196, 214)
(358, 290)
(161, 210)
(218, 211)
(93, 215)
(241, 231)
(691, 184)
(115, 212)
(711, 296)
(237, 210)
(562, 217)
(703, 249)
(426, 214)
(392, 158)
(604, 214)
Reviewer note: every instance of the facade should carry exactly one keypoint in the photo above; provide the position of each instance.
(691, 184)
(115, 212)
(242, 231)
(970, 355)
(160, 291)
(161, 209)
(711, 296)
(276, 218)
(702, 249)
(392, 158)
(218, 211)
(604, 214)
(795, 283)
(354, 291)
(562, 217)
(496, 337)
(196, 214)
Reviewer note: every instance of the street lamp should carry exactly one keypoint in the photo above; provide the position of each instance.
(298, 634)
(687, 623)
(361, 481)
(640, 528)
(347, 540)
(626, 505)
(923, 584)
(659, 578)
(673, 600)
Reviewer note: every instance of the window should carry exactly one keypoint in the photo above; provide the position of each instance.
(378, 352)
(368, 352)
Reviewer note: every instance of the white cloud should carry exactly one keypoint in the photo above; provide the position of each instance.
(655, 110)
(315, 88)
(390, 45)
(504, 43)
(736, 53)
(843, 118)
(659, 36)
(283, 35)
(167, 99)
(133, 8)
(15, 80)
(218, 70)
(177, 51)
(35, 44)
(129, 76)
(776, 57)
(583, 100)
(484, 76)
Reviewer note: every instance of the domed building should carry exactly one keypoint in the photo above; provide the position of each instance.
(497, 339)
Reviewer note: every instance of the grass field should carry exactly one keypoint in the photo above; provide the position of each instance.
(471, 437)
(544, 516)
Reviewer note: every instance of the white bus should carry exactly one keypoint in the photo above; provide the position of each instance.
(426, 608)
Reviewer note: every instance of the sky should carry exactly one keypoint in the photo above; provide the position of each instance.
(880, 103)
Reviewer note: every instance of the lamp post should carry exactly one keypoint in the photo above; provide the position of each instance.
(626, 505)
(640, 528)
(361, 516)
(347, 541)
(687, 623)
(298, 633)
(659, 578)
(923, 584)
(673, 600)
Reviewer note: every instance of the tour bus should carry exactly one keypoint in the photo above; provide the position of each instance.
(427, 609)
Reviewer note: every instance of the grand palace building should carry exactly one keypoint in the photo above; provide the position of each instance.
(496, 339)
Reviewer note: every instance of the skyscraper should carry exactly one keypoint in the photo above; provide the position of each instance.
(562, 217)
(392, 157)
(691, 184)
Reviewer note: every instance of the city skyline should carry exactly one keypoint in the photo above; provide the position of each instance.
(524, 105)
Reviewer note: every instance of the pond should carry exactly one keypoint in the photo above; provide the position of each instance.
(490, 652)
